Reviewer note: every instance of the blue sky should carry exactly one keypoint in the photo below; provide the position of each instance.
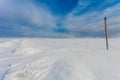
(59, 18)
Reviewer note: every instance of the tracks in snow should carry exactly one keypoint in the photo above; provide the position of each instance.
(7, 50)
(54, 64)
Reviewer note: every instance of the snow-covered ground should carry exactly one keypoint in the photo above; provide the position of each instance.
(59, 59)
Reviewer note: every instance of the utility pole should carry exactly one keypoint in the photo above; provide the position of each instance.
(106, 32)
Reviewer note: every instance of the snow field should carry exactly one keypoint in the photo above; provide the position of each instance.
(60, 59)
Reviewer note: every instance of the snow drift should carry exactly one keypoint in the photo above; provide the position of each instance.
(59, 59)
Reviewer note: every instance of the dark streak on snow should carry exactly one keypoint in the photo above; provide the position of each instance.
(12, 52)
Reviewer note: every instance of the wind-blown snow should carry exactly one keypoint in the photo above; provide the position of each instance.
(59, 59)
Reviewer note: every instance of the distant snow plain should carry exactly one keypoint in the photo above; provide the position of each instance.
(59, 59)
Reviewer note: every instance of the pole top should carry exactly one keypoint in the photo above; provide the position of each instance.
(105, 18)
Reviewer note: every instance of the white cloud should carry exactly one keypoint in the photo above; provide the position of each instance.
(93, 23)
(27, 11)
(17, 13)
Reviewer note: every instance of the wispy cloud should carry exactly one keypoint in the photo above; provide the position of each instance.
(92, 24)
(26, 18)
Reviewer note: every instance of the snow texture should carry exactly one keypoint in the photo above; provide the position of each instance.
(59, 59)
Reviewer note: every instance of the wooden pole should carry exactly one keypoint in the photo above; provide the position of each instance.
(106, 32)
